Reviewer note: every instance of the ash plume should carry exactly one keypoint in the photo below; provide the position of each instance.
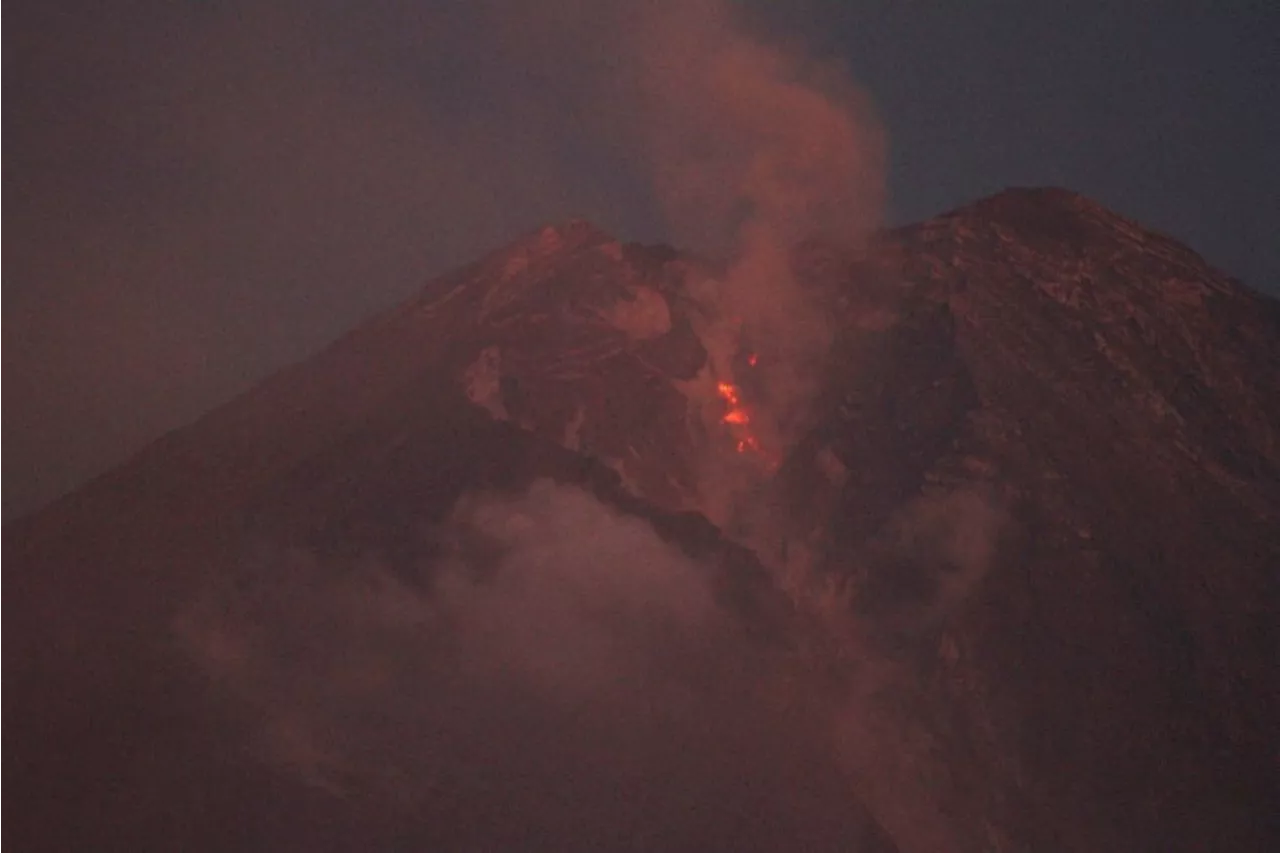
(748, 148)
(752, 149)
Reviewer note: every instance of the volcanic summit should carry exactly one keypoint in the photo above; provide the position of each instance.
(1005, 581)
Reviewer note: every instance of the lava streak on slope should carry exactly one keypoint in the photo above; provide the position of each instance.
(737, 418)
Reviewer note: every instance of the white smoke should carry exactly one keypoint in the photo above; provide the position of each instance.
(753, 149)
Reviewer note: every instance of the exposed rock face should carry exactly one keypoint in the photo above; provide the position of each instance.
(1036, 511)
(1109, 683)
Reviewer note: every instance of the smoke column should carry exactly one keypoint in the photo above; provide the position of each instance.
(750, 149)
(755, 149)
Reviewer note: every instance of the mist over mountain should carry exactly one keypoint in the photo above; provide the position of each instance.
(959, 536)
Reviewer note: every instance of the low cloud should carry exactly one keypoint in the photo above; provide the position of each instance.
(563, 676)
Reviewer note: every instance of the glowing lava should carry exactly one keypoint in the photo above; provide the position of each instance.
(737, 417)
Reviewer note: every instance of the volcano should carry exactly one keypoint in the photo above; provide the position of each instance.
(1022, 541)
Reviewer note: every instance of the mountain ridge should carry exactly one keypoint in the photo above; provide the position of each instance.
(1038, 427)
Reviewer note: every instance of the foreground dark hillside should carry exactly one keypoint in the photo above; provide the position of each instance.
(1039, 490)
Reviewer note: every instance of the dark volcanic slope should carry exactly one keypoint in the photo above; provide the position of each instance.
(1111, 682)
(1044, 470)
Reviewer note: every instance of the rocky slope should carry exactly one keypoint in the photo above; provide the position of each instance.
(1029, 526)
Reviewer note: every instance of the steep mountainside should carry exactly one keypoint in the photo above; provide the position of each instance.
(1030, 527)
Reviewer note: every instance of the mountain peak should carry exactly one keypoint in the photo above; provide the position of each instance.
(1044, 199)
(1044, 210)
(1060, 222)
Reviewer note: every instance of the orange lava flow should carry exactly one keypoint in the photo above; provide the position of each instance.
(729, 393)
(737, 417)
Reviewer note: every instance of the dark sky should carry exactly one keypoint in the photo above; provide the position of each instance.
(201, 192)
